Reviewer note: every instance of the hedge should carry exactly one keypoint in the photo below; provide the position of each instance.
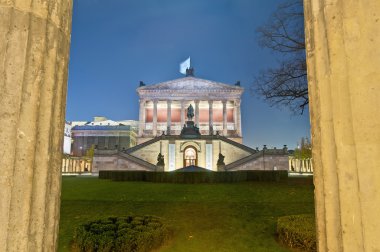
(131, 233)
(298, 231)
(194, 177)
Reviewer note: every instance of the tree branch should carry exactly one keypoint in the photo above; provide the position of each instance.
(286, 84)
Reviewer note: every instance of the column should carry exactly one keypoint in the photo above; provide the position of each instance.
(96, 142)
(169, 116)
(68, 164)
(106, 140)
(238, 118)
(343, 62)
(182, 113)
(34, 51)
(63, 164)
(85, 147)
(142, 117)
(224, 117)
(118, 140)
(196, 113)
(210, 115)
(154, 118)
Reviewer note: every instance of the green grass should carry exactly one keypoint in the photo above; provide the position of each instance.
(204, 217)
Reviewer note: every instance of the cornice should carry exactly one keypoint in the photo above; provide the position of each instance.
(190, 84)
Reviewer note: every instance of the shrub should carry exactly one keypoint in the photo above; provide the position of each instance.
(297, 231)
(194, 177)
(131, 233)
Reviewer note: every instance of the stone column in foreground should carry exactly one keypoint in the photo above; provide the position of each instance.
(34, 55)
(343, 61)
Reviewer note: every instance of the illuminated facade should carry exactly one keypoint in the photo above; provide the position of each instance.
(216, 105)
(190, 122)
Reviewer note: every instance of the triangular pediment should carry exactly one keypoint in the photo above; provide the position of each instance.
(191, 84)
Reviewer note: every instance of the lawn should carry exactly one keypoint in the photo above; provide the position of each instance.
(204, 217)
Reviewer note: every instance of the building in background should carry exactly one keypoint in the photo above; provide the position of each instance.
(103, 134)
(67, 139)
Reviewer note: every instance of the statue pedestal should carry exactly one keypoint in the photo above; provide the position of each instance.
(160, 168)
(190, 130)
(221, 167)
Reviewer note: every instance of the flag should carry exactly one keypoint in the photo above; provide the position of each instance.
(184, 65)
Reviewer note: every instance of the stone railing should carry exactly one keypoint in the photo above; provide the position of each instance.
(176, 127)
(148, 132)
(230, 126)
(162, 126)
(77, 165)
(301, 165)
(148, 126)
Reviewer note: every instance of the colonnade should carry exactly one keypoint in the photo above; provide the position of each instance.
(237, 115)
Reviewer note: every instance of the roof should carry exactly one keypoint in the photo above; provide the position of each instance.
(78, 123)
(103, 127)
(191, 86)
(106, 122)
(191, 83)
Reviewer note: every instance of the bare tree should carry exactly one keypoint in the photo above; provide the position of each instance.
(285, 84)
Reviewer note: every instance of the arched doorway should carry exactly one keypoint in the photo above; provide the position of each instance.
(190, 156)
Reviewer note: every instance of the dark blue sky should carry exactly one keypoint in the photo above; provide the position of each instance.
(117, 43)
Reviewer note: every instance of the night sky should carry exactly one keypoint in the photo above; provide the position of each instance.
(117, 43)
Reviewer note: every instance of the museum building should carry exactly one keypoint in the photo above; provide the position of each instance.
(190, 122)
(102, 134)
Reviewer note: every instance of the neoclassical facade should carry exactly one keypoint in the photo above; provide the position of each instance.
(190, 122)
(216, 106)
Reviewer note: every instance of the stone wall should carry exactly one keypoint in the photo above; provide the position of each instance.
(115, 163)
(149, 153)
(130, 165)
(230, 152)
(268, 162)
(104, 163)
